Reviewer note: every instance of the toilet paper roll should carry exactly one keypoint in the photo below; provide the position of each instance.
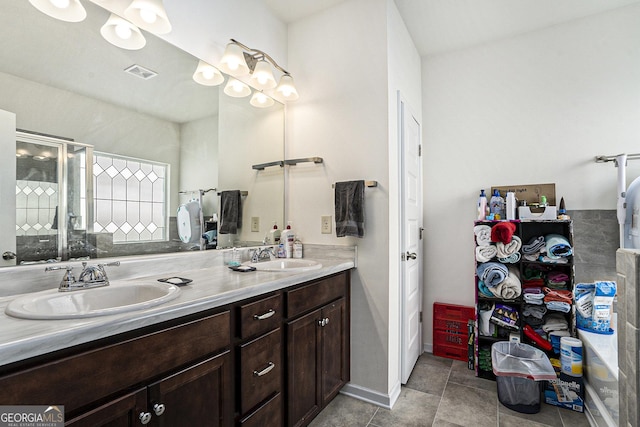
(571, 356)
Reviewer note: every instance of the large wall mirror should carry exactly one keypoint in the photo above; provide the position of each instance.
(152, 136)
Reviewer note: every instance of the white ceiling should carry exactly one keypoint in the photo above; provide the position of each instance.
(438, 26)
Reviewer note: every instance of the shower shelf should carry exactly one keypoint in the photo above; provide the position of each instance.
(290, 162)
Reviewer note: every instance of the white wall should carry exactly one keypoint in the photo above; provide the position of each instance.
(7, 186)
(535, 108)
(340, 62)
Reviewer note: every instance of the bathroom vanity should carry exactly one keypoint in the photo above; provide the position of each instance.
(272, 349)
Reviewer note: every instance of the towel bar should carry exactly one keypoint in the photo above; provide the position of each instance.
(367, 183)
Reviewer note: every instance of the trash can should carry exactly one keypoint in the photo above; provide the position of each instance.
(519, 368)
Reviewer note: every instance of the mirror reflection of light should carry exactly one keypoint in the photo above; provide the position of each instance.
(60, 4)
(123, 30)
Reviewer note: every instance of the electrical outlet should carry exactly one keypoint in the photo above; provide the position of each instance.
(325, 225)
(255, 224)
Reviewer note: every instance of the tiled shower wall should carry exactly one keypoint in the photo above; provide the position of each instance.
(595, 240)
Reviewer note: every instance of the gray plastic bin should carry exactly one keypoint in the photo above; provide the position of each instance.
(518, 368)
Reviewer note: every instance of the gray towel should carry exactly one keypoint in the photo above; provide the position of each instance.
(349, 207)
(230, 212)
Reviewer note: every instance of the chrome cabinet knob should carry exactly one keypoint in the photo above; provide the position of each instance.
(159, 408)
(145, 417)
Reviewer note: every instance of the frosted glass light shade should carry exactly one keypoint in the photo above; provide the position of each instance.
(122, 33)
(207, 74)
(233, 61)
(64, 10)
(287, 89)
(262, 76)
(149, 15)
(261, 100)
(237, 89)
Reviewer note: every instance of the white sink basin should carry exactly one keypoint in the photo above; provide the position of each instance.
(118, 298)
(287, 264)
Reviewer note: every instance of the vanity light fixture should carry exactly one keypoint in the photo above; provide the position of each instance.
(122, 33)
(149, 15)
(207, 75)
(261, 100)
(64, 10)
(233, 61)
(258, 63)
(236, 88)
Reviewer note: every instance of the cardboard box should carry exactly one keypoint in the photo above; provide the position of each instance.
(531, 193)
(565, 392)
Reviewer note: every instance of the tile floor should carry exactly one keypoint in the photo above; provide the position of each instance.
(442, 393)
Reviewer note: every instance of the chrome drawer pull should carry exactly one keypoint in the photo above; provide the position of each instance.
(265, 371)
(264, 316)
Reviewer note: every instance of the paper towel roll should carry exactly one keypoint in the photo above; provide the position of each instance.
(188, 218)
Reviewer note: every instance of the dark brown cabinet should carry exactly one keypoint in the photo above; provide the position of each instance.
(317, 350)
(273, 360)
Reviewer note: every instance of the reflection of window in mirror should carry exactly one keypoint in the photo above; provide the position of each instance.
(130, 198)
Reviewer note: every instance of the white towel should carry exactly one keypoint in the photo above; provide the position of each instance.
(485, 253)
(483, 234)
(509, 288)
(505, 250)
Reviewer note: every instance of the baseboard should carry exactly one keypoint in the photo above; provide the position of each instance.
(367, 395)
(428, 348)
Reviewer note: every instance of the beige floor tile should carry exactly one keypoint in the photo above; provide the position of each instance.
(345, 411)
(468, 406)
(460, 374)
(429, 377)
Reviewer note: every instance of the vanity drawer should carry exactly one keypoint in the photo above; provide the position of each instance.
(260, 316)
(81, 379)
(260, 369)
(316, 294)
(267, 415)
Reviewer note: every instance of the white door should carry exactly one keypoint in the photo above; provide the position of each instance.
(411, 243)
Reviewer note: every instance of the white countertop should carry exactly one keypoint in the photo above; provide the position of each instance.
(212, 287)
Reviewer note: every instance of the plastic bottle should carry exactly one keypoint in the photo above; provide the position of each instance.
(297, 248)
(287, 237)
(496, 205)
(274, 234)
(511, 205)
(482, 206)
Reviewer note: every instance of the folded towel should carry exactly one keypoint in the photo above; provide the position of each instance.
(534, 245)
(503, 232)
(507, 249)
(549, 260)
(558, 306)
(537, 311)
(492, 273)
(485, 253)
(557, 246)
(557, 295)
(510, 287)
(349, 208)
(483, 234)
(230, 212)
(555, 322)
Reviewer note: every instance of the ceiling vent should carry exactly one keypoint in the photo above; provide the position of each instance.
(140, 71)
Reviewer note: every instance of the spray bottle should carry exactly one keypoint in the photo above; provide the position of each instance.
(482, 206)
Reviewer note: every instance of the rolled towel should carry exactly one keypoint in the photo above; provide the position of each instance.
(534, 245)
(485, 253)
(557, 246)
(492, 273)
(511, 259)
(510, 287)
(484, 291)
(483, 234)
(507, 249)
(503, 232)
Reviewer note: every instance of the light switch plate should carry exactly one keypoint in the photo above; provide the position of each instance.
(255, 224)
(325, 224)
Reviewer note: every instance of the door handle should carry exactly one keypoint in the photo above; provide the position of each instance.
(411, 255)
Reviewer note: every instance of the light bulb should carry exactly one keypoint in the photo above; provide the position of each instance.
(123, 31)
(60, 4)
(237, 86)
(148, 16)
(208, 73)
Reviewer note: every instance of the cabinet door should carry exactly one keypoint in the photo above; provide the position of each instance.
(197, 396)
(303, 351)
(334, 359)
(122, 412)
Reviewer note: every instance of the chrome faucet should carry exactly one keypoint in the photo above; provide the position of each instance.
(90, 277)
(263, 254)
